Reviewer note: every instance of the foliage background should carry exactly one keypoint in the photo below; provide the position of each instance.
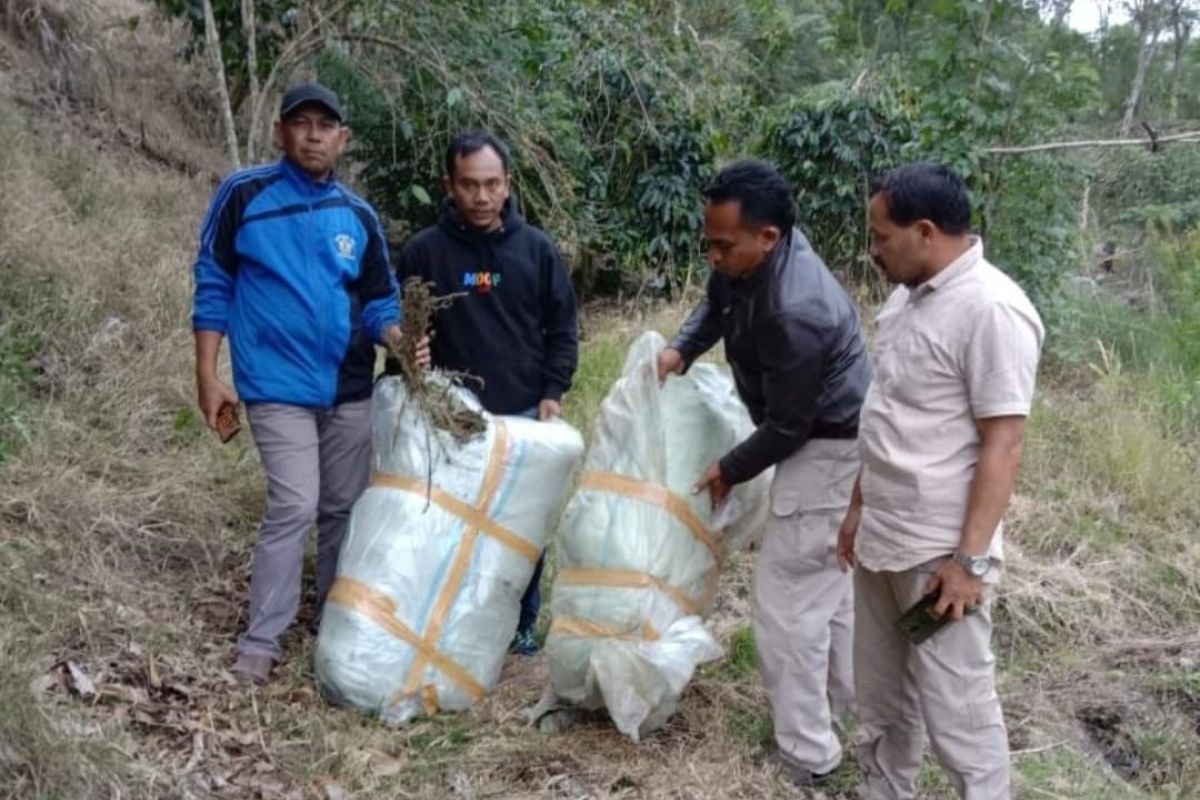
(619, 112)
(126, 530)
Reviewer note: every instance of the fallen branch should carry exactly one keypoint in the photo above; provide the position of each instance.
(1028, 751)
(1188, 136)
(1154, 645)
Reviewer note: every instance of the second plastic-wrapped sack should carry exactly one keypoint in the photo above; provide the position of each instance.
(638, 555)
(430, 576)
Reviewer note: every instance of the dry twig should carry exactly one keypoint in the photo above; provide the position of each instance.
(435, 398)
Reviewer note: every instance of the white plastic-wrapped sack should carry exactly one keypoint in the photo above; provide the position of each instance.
(638, 555)
(429, 581)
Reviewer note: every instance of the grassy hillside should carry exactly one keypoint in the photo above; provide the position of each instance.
(125, 530)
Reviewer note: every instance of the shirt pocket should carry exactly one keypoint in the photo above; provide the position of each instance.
(918, 369)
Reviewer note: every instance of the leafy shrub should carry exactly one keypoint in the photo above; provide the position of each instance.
(830, 150)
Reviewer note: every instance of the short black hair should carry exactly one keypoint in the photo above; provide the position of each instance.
(764, 195)
(926, 190)
(472, 141)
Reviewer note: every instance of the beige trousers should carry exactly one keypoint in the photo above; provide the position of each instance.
(944, 686)
(803, 604)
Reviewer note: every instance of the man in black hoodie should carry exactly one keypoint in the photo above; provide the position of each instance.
(514, 331)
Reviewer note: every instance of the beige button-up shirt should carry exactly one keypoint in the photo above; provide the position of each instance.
(960, 347)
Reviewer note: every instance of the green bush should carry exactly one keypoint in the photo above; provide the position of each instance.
(609, 155)
(1136, 188)
(1029, 220)
(619, 113)
(830, 150)
(1161, 346)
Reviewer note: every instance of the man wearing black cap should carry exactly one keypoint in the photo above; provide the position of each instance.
(293, 268)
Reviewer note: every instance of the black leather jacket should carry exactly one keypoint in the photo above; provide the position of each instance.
(793, 339)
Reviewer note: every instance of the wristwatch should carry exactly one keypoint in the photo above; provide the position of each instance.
(976, 566)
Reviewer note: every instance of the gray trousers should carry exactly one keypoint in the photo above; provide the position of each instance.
(945, 686)
(317, 463)
(803, 604)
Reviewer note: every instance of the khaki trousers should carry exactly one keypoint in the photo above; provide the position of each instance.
(944, 686)
(803, 604)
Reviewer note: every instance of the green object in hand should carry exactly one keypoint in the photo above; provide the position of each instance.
(919, 622)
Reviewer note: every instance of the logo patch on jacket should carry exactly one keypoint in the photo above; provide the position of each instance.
(481, 282)
(345, 245)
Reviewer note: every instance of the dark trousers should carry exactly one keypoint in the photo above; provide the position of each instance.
(531, 601)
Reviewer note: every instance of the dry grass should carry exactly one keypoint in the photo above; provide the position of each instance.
(125, 532)
(1102, 601)
(111, 73)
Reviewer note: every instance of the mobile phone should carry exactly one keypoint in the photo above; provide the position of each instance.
(919, 622)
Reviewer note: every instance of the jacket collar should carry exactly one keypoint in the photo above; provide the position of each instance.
(304, 182)
(775, 262)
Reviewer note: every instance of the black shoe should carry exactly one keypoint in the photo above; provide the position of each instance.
(803, 777)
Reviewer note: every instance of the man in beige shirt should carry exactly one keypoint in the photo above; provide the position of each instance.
(941, 435)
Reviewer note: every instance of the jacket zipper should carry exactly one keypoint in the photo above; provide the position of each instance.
(314, 282)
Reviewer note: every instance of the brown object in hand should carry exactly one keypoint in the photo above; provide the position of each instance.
(227, 422)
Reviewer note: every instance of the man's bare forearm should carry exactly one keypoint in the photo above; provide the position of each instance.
(208, 349)
(995, 477)
(856, 498)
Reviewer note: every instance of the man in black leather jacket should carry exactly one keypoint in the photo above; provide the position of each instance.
(793, 339)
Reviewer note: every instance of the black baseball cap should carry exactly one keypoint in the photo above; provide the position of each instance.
(311, 93)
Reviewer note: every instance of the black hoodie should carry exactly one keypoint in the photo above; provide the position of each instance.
(515, 328)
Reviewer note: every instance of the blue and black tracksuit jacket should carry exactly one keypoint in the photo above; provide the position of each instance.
(296, 273)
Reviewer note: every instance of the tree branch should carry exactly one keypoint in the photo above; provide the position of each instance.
(1189, 136)
(249, 26)
(212, 43)
(304, 45)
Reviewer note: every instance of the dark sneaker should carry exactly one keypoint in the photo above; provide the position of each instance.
(801, 776)
(524, 644)
(253, 668)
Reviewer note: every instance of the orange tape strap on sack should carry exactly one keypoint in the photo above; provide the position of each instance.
(676, 506)
(648, 492)
(365, 600)
(629, 579)
(381, 609)
(582, 628)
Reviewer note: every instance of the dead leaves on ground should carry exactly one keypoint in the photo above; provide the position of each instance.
(192, 720)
